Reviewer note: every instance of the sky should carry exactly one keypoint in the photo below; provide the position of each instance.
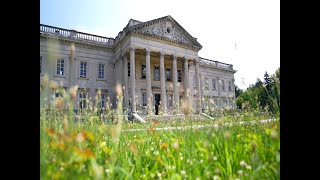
(244, 33)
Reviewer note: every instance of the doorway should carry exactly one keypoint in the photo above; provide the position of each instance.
(157, 102)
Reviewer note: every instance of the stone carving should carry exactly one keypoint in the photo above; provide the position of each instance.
(167, 30)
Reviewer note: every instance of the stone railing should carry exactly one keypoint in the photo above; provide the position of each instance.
(216, 63)
(73, 34)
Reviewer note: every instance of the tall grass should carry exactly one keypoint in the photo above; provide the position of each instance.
(84, 147)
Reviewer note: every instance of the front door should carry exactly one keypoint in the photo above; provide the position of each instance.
(157, 102)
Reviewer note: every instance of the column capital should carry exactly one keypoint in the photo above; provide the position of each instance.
(161, 54)
(132, 49)
(174, 56)
(147, 50)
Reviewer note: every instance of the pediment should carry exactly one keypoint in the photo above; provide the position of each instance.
(168, 29)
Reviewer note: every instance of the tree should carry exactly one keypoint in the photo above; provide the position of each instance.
(238, 91)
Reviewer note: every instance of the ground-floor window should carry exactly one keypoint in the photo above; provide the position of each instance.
(144, 99)
(82, 100)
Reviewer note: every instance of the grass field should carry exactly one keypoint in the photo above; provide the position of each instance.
(90, 149)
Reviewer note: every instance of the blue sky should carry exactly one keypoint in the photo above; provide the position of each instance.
(254, 25)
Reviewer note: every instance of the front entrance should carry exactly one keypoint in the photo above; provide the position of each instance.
(157, 102)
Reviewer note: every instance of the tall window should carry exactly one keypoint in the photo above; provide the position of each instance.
(206, 83)
(223, 87)
(168, 74)
(156, 73)
(60, 67)
(214, 84)
(144, 99)
(40, 64)
(170, 101)
(102, 103)
(83, 69)
(229, 86)
(128, 69)
(143, 71)
(101, 71)
(82, 100)
(179, 76)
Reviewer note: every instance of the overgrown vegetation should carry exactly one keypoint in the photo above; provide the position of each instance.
(87, 147)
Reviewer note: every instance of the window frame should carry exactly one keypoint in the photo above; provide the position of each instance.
(86, 69)
(170, 76)
(214, 86)
(144, 100)
(223, 88)
(82, 99)
(180, 74)
(58, 65)
(104, 71)
(145, 75)
(229, 86)
(154, 72)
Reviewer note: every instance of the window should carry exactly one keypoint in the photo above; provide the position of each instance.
(222, 83)
(128, 69)
(229, 86)
(168, 74)
(156, 73)
(60, 67)
(213, 84)
(144, 99)
(206, 83)
(40, 64)
(179, 76)
(143, 71)
(170, 101)
(83, 69)
(82, 100)
(102, 103)
(101, 71)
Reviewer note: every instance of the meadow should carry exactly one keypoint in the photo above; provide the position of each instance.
(93, 149)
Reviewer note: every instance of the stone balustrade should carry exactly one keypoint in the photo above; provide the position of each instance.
(73, 34)
(216, 63)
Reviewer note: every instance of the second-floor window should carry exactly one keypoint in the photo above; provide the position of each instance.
(213, 84)
(83, 69)
(168, 74)
(60, 67)
(143, 71)
(156, 73)
(229, 86)
(179, 75)
(101, 71)
(223, 86)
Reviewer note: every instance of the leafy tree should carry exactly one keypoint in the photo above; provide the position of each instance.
(238, 91)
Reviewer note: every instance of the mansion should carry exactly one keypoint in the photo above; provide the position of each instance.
(154, 61)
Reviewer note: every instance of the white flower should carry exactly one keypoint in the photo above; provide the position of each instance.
(242, 163)
(107, 170)
(215, 158)
(215, 177)
(183, 172)
(248, 167)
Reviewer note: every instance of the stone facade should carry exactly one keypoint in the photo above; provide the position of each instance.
(153, 61)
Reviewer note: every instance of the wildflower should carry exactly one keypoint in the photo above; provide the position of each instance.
(215, 158)
(50, 131)
(175, 145)
(240, 172)
(248, 167)
(107, 171)
(118, 90)
(73, 92)
(215, 177)
(217, 170)
(183, 172)
(274, 134)
(242, 163)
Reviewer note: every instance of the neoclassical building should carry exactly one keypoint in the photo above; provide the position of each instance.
(154, 61)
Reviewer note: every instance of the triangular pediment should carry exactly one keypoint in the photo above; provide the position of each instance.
(166, 28)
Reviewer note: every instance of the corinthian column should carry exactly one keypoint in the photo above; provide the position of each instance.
(133, 80)
(163, 84)
(199, 102)
(148, 74)
(175, 82)
(186, 78)
(125, 81)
